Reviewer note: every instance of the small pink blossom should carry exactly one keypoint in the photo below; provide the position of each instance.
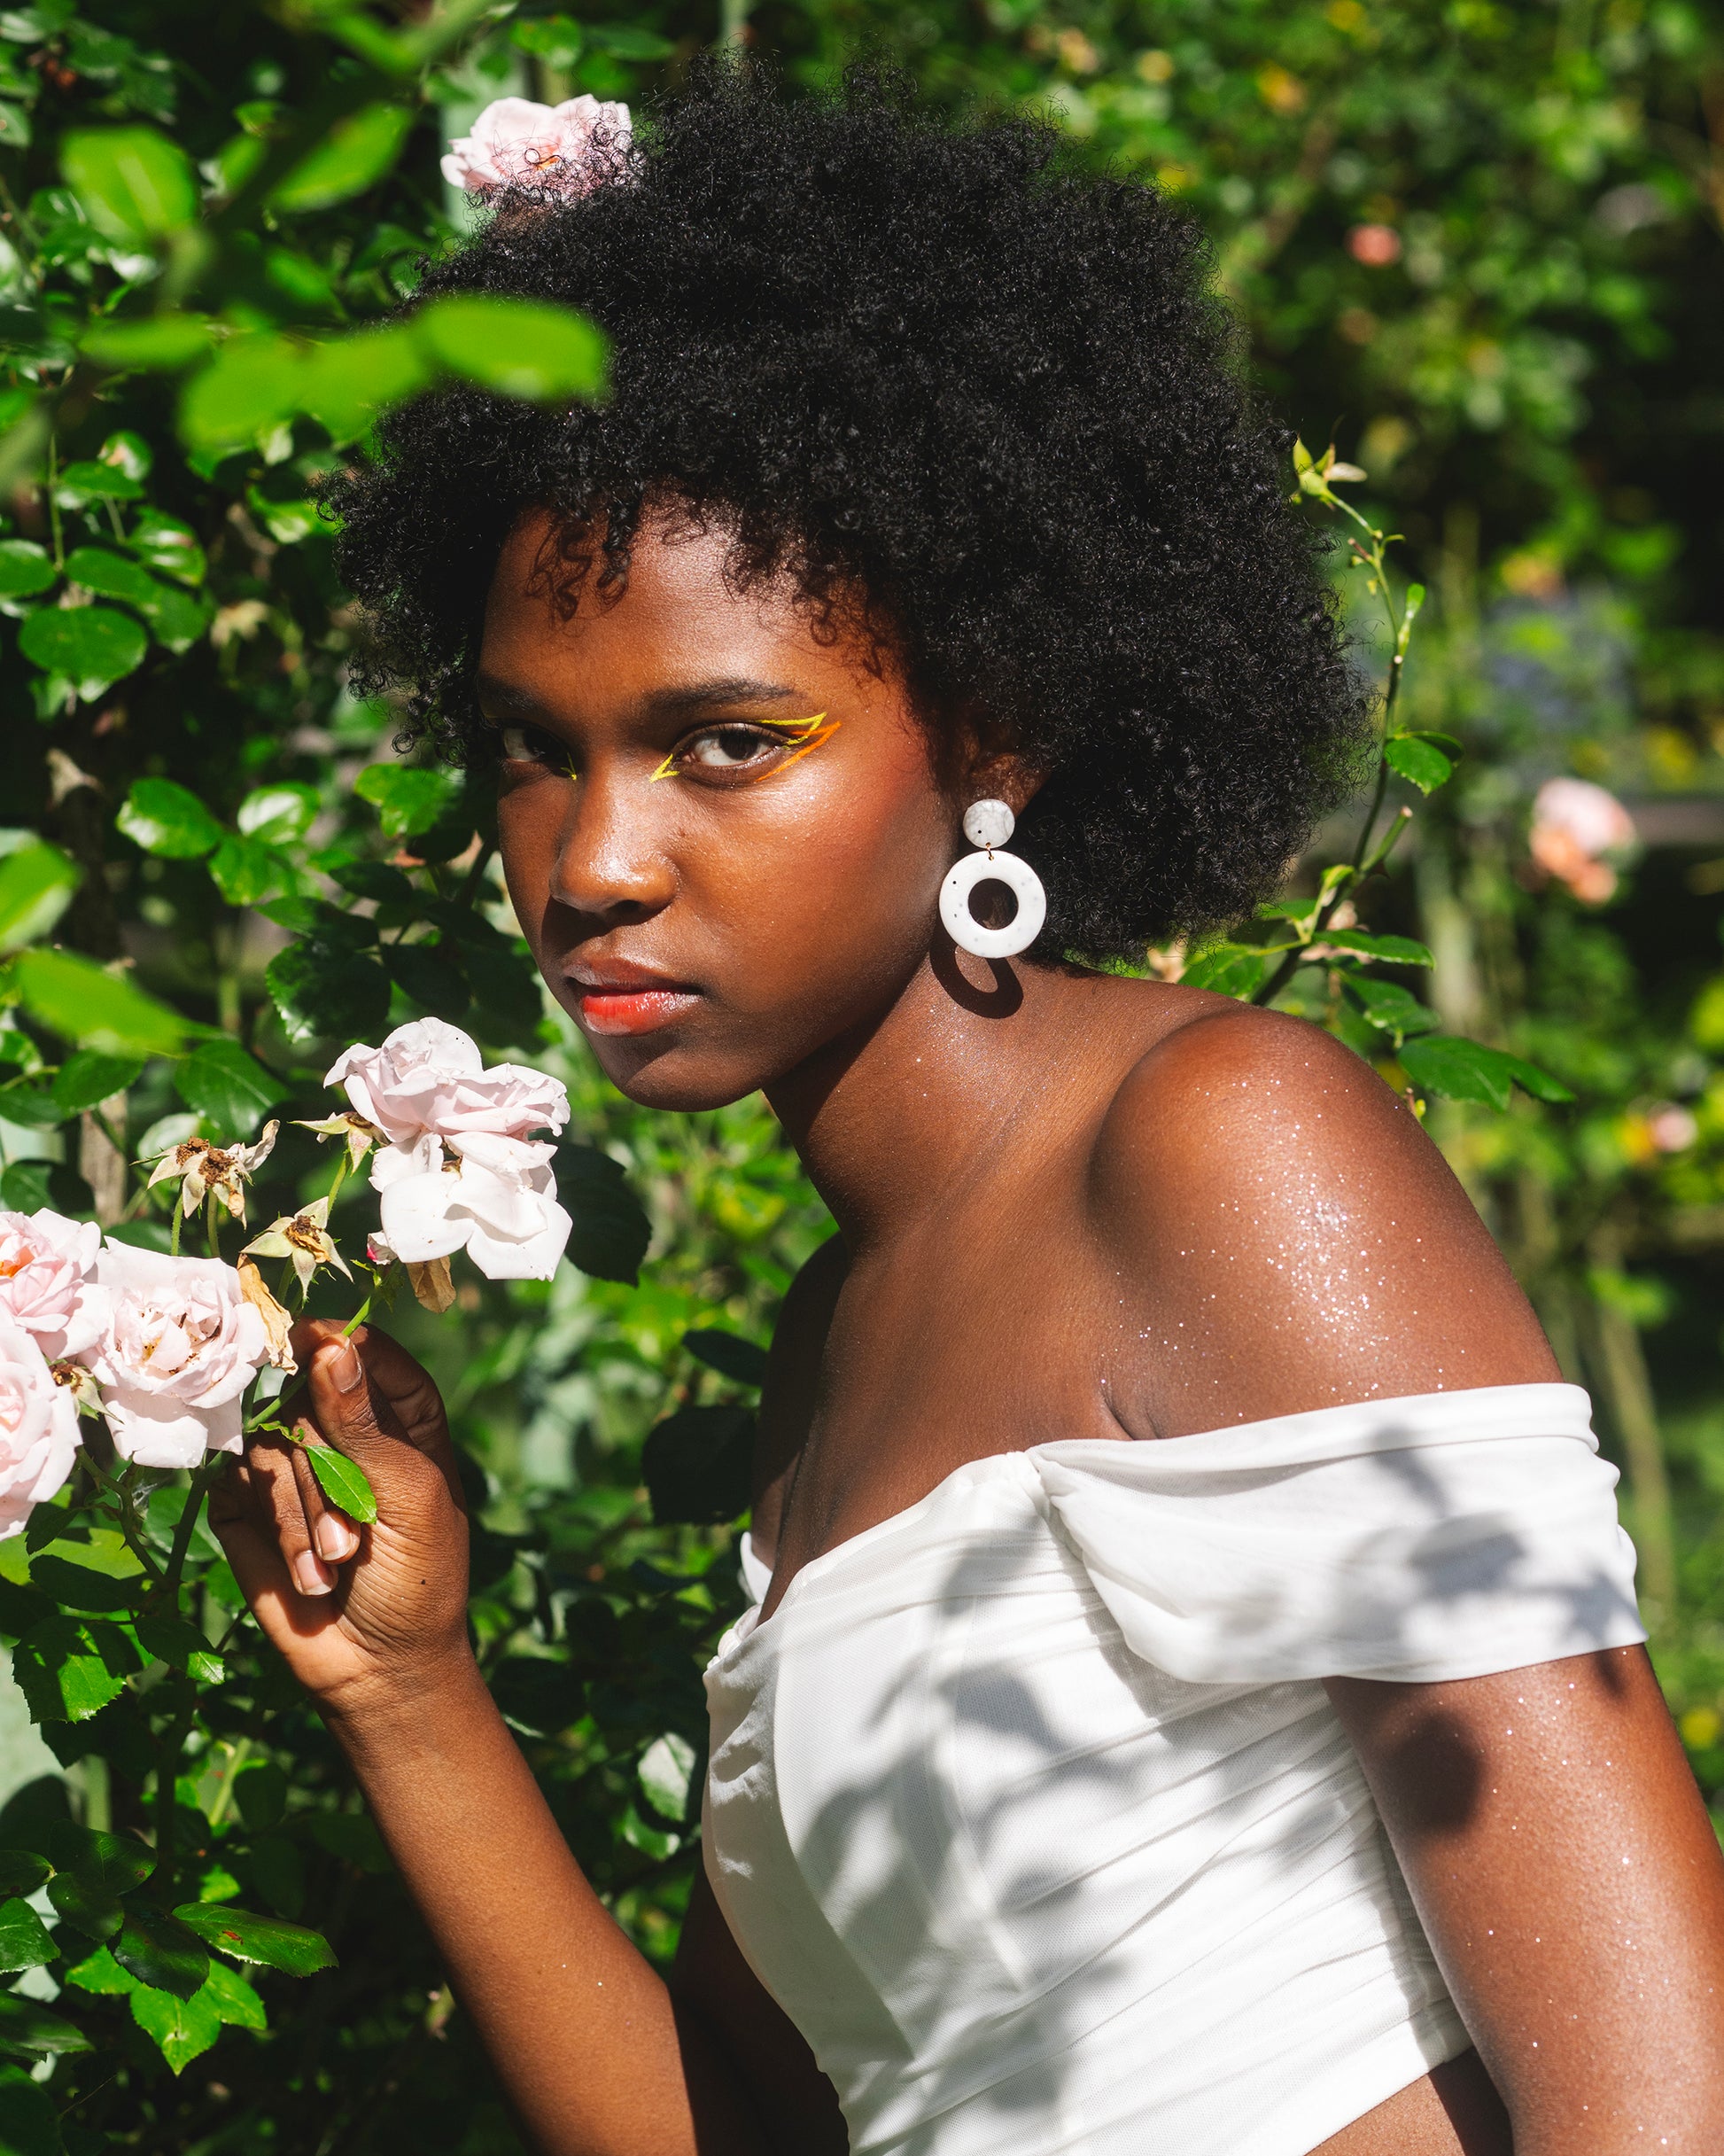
(181, 1345)
(47, 1285)
(1573, 823)
(429, 1080)
(38, 1428)
(1376, 246)
(564, 149)
(1671, 1128)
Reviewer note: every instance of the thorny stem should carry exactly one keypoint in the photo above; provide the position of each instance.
(210, 1228)
(187, 1528)
(54, 524)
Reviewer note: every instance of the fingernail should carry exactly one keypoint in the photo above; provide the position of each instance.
(335, 1541)
(312, 1574)
(345, 1367)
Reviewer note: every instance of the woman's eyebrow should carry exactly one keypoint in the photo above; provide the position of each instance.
(691, 697)
(504, 695)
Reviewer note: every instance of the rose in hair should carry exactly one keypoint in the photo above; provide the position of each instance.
(566, 149)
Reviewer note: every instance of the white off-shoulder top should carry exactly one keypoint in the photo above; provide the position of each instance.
(1028, 1807)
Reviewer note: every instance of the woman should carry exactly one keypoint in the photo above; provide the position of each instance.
(1194, 1701)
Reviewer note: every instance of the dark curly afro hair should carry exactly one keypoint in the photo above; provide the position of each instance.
(944, 369)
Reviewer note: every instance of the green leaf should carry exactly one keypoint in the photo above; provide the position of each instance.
(169, 818)
(1396, 950)
(113, 575)
(698, 1466)
(166, 544)
(666, 1769)
(101, 1973)
(75, 1586)
(134, 184)
(91, 646)
(261, 1793)
(518, 348)
(265, 1940)
(27, 2025)
(84, 1003)
(183, 2029)
(728, 1354)
(245, 870)
(91, 1910)
(342, 1483)
(611, 1229)
(279, 813)
(87, 1078)
(326, 992)
(1416, 760)
(346, 381)
(233, 1998)
(177, 619)
(1228, 969)
(181, 1646)
(1390, 1008)
(355, 154)
(22, 1872)
(251, 386)
(31, 1108)
(407, 800)
(375, 880)
(162, 1951)
(1467, 1070)
(624, 42)
(70, 1667)
(115, 1863)
(231, 1090)
(25, 569)
(352, 1837)
(36, 884)
(29, 2124)
(23, 1939)
(150, 344)
(536, 1693)
(431, 978)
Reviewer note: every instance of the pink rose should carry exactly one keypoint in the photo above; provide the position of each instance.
(47, 1264)
(181, 1345)
(38, 1428)
(567, 149)
(1573, 822)
(497, 1202)
(429, 1079)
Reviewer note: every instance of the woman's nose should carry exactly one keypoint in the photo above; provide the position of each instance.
(609, 865)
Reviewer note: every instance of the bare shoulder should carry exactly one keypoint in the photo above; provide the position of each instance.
(791, 1387)
(1289, 1236)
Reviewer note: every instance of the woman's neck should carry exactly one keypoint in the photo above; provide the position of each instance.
(891, 1119)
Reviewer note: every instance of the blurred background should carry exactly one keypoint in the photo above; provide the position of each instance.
(1476, 247)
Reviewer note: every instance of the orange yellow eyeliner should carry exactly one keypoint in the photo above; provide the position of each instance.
(805, 733)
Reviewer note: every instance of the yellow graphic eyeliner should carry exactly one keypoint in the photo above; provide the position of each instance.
(805, 733)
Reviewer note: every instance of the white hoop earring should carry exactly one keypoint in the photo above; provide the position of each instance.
(988, 825)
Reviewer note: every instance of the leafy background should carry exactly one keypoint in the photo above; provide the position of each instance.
(1476, 245)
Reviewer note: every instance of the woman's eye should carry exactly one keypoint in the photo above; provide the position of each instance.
(532, 744)
(727, 748)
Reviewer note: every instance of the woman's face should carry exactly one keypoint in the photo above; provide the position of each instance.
(723, 839)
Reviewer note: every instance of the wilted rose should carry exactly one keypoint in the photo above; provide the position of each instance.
(47, 1263)
(429, 1079)
(496, 1199)
(38, 1428)
(566, 149)
(180, 1346)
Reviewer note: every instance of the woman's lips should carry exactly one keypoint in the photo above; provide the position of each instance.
(629, 1000)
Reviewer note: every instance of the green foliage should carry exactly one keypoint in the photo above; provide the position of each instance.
(1487, 237)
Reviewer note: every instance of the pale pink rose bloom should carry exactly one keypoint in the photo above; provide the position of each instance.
(1673, 1129)
(1573, 823)
(429, 1079)
(497, 1201)
(181, 1345)
(566, 149)
(38, 1428)
(47, 1284)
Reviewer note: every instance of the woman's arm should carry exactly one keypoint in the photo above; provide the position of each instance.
(592, 2051)
(1295, 1242)
(1569, 1881)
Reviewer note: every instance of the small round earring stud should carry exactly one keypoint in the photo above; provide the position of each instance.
(988, 825)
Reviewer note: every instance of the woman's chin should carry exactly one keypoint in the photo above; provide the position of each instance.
(658, 1070)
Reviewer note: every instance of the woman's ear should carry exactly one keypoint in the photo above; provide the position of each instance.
(1005, 777)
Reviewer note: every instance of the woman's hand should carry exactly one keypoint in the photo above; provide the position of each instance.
(358, 1613)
